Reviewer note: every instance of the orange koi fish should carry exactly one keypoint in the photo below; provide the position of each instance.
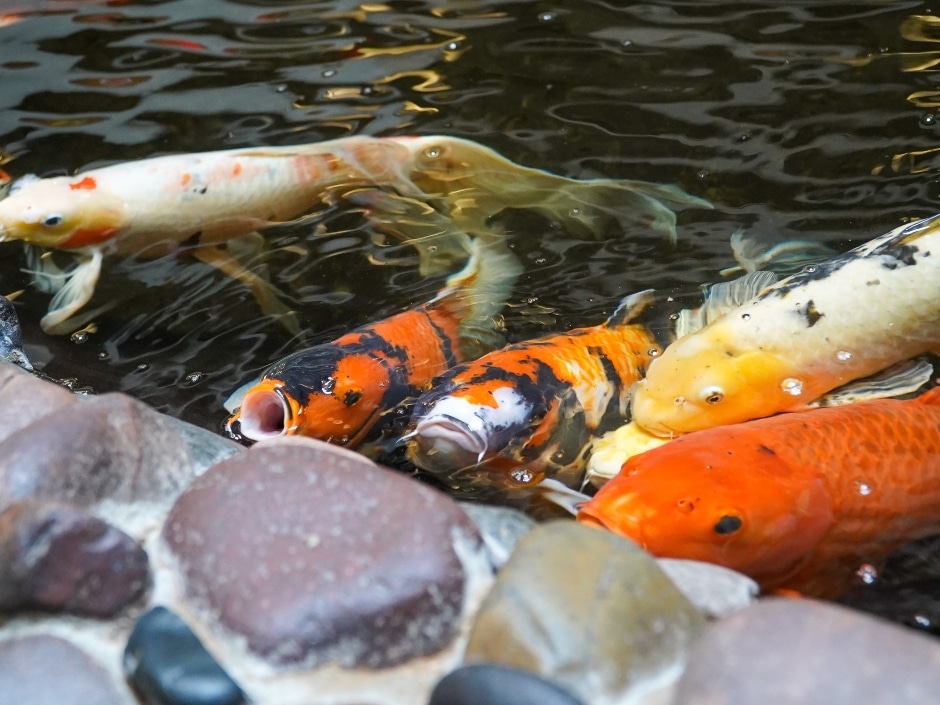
(529, 411)
(800, 501)
(150, 207)
(338, 391)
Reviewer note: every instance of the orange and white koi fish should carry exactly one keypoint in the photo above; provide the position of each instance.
(798, 501)
(527, 412)
(152, 206)
(338, 391)
(843, 319)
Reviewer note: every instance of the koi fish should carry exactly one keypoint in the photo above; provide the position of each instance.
(528, 411)
(843, 319)
(797, 501)
(151, 207)
(338, 392)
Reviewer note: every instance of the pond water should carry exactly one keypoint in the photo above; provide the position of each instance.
(811, 120)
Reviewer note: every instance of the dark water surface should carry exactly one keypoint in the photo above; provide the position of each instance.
(810, 120)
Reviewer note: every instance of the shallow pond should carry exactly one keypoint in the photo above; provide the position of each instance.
(812, 120)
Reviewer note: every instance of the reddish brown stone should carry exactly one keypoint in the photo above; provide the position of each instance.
(26, 398)
(316, 554)
(47, 670)
(57, 557)
(805, 652)
(105, 446)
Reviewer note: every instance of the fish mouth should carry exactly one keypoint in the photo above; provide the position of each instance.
(588, 519)
(443, 442)
(265, 413)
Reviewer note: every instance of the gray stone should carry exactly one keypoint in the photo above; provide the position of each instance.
(108, 446)
(806, 652)
(315, 554)
(47, 670)
(205, 447)
(26, 398)
(715, 590)
(588, 610)
(57, 557)
(501, 528)
(486, 684)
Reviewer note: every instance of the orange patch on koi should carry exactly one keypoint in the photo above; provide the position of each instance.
(87, 184)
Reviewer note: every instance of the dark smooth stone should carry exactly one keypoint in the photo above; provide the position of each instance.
(168, 665)
(485, 684)
(57, 557)
(108, 446)
(807, 652)
(46, 670)
(316, 554)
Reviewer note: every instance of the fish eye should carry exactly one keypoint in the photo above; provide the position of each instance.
(53, 220)
(728, 524)
(712, 395)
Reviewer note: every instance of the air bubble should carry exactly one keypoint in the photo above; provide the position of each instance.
(810, 269)
(654, 352)
(522, 476)
(792, 386)
(702, 174)
(546, 17)
(79, 337)
(867, 573)
(194, 378)
(142, 367)
(432, 152)
(864, 488)
(574, 212)
(843, 356)
(745, 316)
(329, 73)
(928, 120)
(922, 621)
(103, 356)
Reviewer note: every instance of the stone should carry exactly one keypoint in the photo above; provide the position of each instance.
(315, 554)
(205, 447)
(42, 669)
(500, 527)
(109, 446)
(802, 652)
(487, 684)
(168, 665)
(26, 398)
(60, 558)
(715, 590)
(587, 610)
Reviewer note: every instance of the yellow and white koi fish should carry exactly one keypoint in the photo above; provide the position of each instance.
(843, 319)
(150, 207)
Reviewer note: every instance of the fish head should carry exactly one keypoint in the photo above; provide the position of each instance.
(320, 393)
(62, 212)
(705, 380)
(714, 500)
(460, 425)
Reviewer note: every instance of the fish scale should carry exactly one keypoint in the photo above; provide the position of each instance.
(818, 493)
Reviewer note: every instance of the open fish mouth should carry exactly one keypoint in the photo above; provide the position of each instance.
(442, 442)
(265, 413)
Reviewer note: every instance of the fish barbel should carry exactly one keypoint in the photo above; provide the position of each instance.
(843, 319)
(150, 207)
(797, 501)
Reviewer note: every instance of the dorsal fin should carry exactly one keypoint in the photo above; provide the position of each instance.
(630, 307)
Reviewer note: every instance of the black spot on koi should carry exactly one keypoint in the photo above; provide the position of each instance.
(811, 313)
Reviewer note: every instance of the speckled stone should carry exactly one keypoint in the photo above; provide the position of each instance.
(26, 398)
(803, 652)
(168, 665)
(316, 554)
(587, 610)
(501, 528)
(486, 684)
(715, 590)
(57, 557)
(108, 446)
(47, 670)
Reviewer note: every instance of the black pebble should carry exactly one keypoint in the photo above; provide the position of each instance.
(168, 665)
(485, 684)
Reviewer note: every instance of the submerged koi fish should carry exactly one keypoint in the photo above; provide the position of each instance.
(834, 322)
(528, 412)
(150, 207)
(797, 501)
(338, 391)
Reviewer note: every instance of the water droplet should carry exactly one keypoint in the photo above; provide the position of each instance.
(79, 337)
(867, 573)
(792, 386)
(922, 621)
(366, 90)
(432, 249)
(541, 260)
(673, 316)
(864, 488)
(329, 72)
(745, 316)
(702, 174)
(928, 120)
(432, 152)
(546, 17)
(531, 299)
(328, 385)
(142, 367)
(193, 378)
(281, 88)
(521, 475)
(843, 356)
(103, 356)
(453, 46)
(574, 212)
(654, 352)
(810, 269)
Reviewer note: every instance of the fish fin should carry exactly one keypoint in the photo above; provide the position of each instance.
(898, 379)
(726, 296)
(479, 292)
(753, 254)
(559, 493)
(72, 296)
(48, 277)
(630, 307)
(267, 296)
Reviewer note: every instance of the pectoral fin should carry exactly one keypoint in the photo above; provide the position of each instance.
(72, 296)
(901, 378)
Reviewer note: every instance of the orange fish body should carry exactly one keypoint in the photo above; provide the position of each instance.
(529, 411)
(798, 501)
